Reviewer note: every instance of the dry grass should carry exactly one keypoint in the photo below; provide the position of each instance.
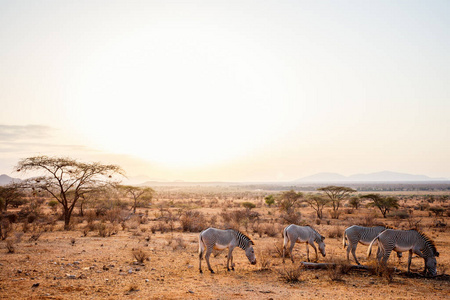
(107, 267)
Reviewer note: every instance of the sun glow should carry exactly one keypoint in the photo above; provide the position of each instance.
(177, 105)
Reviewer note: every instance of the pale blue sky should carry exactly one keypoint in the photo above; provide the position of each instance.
(228, 90)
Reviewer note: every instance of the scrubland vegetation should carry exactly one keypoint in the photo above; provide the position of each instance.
(108, 251)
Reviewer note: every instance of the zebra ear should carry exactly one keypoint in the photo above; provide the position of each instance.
(322, 237)
(251, 242)
(437, 254)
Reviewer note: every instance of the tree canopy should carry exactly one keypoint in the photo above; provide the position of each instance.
(67, 179)
(384, 204)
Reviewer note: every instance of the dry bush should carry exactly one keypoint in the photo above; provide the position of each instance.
(107, 229)
(277, 248)
(292, 218)
(337, 270)
(383, 271)
(19, 236)
(290, 274)
(271, 230)
(35, 236)
(178, 243)
(140, 255)
(116, 214)
(5, 229)
(335, 232)
(264, 260)
(192, 221)
(10, 245)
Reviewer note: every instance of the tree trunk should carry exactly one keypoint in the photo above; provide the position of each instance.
(67, 214)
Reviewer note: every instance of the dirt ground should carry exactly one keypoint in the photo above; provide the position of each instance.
(69, 265)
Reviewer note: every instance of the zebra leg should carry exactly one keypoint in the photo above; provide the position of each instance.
(230, 257)
(354, 252)
(348, 251)
(207, 255)
(201, 248)
(290, 251)
(307, 251)
(315, 249)
(200, 257)
(409, 259)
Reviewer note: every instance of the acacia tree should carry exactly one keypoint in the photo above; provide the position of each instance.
(288, 200)
(11, 194)
(384, 204)
(317, 202)
(67, 179)
(336, 195)
(138, 194)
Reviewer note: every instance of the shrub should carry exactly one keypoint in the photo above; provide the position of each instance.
(192, 221)
(264, 260)
(438, 211)
(140, 255)
(248, 205)
(291, 274)
(335, 232)
(10, 245)
(399, 214)
(53, 204)
(337, 270)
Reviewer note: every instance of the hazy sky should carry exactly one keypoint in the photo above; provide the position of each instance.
(228, 90)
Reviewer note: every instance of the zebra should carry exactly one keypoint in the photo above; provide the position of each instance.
(406, 240)
(302, 234)
(213, 238)
(359, 234)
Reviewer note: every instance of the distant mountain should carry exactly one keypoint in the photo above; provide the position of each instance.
(378, 176)
(5, 179)
(324, 176)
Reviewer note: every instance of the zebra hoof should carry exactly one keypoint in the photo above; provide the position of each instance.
(212, 272)
(232, 269)
(201, 271)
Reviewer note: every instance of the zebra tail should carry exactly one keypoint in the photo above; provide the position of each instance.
(200, 244)
(369, 251)
(344, 240)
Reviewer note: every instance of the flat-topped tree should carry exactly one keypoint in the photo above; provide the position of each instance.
(336, 195)
(138, 193)
(67, 179)
(384, 204)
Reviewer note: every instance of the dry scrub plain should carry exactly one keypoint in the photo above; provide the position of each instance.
(109, 254)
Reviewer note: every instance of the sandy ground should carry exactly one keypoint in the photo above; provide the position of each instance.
(95, 267)
(69, 265)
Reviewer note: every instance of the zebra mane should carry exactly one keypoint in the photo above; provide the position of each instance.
(428, 241)
(244, 236)
(321, 236)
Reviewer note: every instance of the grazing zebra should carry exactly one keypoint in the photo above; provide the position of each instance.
(218, 239)
(406, 240)
(302, 234)
(359, 234)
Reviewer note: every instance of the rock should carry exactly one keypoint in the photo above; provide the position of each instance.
(191, 292)
(146, 280)
(35, 285)
(69, 276)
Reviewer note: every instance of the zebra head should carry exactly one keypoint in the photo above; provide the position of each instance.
(250, 253)
(322, 246)
(431, 265)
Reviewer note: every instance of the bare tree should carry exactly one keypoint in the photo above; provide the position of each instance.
(336, 195)
(138, 194)
(317, 202)
(67, 179)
